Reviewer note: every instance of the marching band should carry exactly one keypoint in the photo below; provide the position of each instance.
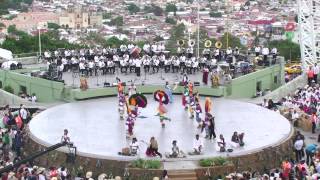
(130, 58)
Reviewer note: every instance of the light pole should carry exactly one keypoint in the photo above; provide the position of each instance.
(39, 34)
(198, 35)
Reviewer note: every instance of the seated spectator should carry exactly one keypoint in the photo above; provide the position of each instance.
(197, 145)
(237, 140)
(152, 150)
(221, 144)
(134, 147)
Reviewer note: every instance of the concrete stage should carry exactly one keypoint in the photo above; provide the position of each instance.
(97, 132)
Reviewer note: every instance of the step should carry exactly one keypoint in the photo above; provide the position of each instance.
(190, 178)
(182, 174)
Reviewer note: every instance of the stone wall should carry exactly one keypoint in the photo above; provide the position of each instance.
(266, 158)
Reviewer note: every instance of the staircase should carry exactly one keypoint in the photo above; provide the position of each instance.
(182, 175)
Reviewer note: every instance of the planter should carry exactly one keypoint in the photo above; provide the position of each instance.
(214, 171)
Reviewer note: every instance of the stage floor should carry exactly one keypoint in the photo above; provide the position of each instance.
(96, 130)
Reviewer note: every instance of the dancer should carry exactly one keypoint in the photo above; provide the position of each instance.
(192, 105)
(132, 89)
(169, 91)
(185, 96)
(198, 113)
(162, 98)
(161, 112)
(205, 75)
(122, 101)
(130, 124)
(120, 86)
(208, 105)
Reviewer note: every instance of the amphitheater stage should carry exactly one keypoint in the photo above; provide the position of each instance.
(97, 132)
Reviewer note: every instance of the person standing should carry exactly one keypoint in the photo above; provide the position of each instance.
(314, 120)
(310, 74)
(138, 66)
(18, 143)
(169, 90)
(316, 70)
(310, 152)
(298, 148)
(205, 75)
(211, 128)
(23, 113)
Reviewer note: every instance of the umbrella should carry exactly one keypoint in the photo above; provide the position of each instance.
(161, 96)
(138, 99)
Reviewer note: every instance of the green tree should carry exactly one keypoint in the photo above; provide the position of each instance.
(171, 8)
(171, 21)
(2, 25)
(176, 33)
(118, 21)
(289, 50)
(107, 15)
(157, 11)
(228, 40)
(53, 26)
(158, 38)
(133, 9)
(215, 14)
(115, 42)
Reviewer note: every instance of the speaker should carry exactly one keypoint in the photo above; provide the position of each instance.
(196, 83)
(106, 84)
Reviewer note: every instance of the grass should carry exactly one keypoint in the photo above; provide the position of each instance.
(216, 161)
(145, 164)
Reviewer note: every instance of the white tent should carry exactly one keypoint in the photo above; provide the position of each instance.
(5, 54)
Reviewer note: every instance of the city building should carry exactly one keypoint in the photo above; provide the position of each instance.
(78, 18)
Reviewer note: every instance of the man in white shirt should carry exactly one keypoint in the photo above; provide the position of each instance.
(265, 53)
(295, 116)
(197, 145)
(257, 50)
(23, 113)
(298, 148)
(138, 66)
(316, 70)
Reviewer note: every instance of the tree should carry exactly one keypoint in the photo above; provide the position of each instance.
(171, 8)
(118, 21)
(157, 11)
(107, 15)
(176, 33)
(53, 26)
(228, 40)
(133, 9)
(158, 38)
(215, 14)
(287, 49)
(171, 21)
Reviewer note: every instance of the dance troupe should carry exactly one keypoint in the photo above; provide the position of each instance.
(131, 103)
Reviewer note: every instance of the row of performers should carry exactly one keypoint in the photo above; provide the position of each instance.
(134, 51)
(105, 65)
(109, 52)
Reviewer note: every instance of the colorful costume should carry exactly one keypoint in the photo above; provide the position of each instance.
(198, 113)
(162, 98)
(192, 105)
(185, 96)
(122, 101)
(208, 105)
(130, 123)
(169, 92)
